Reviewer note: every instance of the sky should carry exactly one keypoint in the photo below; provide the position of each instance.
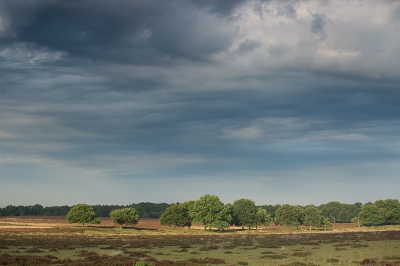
(120, 102)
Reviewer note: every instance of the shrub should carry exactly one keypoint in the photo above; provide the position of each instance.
(301, 253)
(332, 260)
(369, 261)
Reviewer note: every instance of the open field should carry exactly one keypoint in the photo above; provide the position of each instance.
(51, 240)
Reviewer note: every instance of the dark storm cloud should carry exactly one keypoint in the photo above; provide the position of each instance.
(139, 32)
(172, 90)
(220, 7)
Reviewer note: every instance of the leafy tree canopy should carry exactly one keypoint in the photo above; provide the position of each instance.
(128, 216)
(82, 213)
(390, 210)
(177, 215)
(326, 222)
(289, 215)
(263, 217)
(210, 211)
(244, 212)
(371, 215)
(312, 216)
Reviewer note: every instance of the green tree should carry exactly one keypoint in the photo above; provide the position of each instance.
(149, 209)
(244, 213)
(289, 215)
(326, 222)
(127, 216)
(10, 210)
(187, 207)
(36, 209)
(390, 210)
(262, 217)
(210, 211)
(371, 215)
(271, 209)
(177, 215)
(312, 216)
(331, 210)
(82, 213)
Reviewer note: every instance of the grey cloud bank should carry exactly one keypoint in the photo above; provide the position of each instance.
(127, 101)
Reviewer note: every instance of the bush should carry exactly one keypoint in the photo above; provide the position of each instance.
(332, 260)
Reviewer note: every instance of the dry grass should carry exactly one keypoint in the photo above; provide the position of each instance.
(51, 240)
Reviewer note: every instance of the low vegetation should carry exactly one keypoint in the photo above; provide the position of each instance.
(148, 244)
(299, 238)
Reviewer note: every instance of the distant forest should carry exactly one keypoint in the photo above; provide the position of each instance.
(145, 210)
(336, 211)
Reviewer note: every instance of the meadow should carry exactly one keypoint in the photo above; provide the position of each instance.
(51, 240)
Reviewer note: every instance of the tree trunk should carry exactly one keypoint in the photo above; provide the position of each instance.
(310, 227)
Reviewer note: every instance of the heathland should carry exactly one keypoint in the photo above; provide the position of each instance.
(51, 240)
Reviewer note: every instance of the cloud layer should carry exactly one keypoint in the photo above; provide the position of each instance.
(164, 101)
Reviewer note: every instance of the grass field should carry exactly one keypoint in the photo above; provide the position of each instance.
(51, 240)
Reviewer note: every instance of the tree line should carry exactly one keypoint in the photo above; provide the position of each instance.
(144, 209)
(212, 213)
(338, 212)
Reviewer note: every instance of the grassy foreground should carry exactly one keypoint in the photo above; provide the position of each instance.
(27, 244)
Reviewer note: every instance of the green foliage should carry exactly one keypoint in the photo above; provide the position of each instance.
(289, 215)
(262, 217)
(390, 210)
(326, 222)
(128, 216)
(149, 209)
(56, 210)
(210, 211)
(11, 210)
(244, 212)
(340, 212)
(312, 216)
(82, 213)
(371, 215)
(177, 215)
(145, 210)
(271, 209)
